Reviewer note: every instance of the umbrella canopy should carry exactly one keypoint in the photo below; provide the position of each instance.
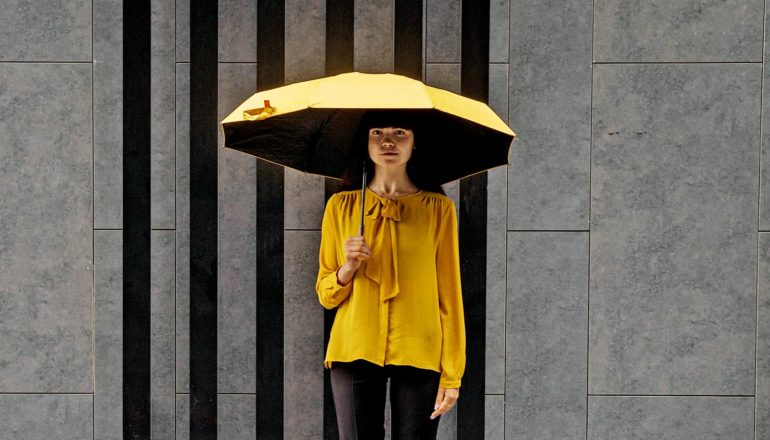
(313, 126)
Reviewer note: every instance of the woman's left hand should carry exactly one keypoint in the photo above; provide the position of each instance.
(445, 400)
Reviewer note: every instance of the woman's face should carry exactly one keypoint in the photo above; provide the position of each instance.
(390, 146)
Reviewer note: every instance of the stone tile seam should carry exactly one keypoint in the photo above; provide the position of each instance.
(588, 274)
(759, 213)
(93, 239)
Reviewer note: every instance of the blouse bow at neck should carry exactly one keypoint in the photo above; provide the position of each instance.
(382, 266)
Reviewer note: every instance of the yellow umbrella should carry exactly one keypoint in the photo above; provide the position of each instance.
(313, 126)
(356, 90)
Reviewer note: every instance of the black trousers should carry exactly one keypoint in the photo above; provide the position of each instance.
(359, 390)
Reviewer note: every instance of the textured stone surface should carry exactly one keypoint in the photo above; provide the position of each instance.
(673, 234)
(237, 417)
(499, 33)
(108, 337)
(182, 228)
(442, 31)
(494, 416)
(51, 30)
(46, 416)
(108, 115)
(670, 417)
(373, 36)
(444, 76)
(162, 343)
(237, 31)
(764, 182)
(762, 406)
(303, 348)
(163, 101)
(700, 30)
(550, 110)
(545, 368)
(237, 277)
(496, 282)
(46, 229)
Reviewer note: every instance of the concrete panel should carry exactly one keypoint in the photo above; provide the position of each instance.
(699, 31)
(673, 244)
(183, 228)
(498, 90)
(444, 76)
(108, 114)
(670, 417)
(237, 417)
(53, 30)
(499, 34)
(443, 29)
(237, 31)
(46, 238)
(183, 416)
(162, 345)
(373, 28)
(303, 337)
(108, 338)
(496, 281)
(762, 407)
(237, 328)
(305, 40)
(46, 416)
(494, 416)
(550, 110)
(545, 391)
(182, 25)
(162, 131)
(764, 188)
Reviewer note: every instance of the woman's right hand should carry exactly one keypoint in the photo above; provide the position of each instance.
(356, 250)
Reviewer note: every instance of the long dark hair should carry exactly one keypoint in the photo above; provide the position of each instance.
(353, 176)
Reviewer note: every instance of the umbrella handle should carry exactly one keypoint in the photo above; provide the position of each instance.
(363, 197)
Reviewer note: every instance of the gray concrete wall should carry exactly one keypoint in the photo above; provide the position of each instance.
(628, 260)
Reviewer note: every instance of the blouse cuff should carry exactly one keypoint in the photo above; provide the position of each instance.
(446, 382)
(333, 292)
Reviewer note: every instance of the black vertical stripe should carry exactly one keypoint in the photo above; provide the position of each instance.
(339, 59)
(136, 220)
(204, 126)
(407, 59)
(270, 235)
(339, 36)
(474, 83)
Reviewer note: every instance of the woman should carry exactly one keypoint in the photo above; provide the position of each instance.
(397, 289)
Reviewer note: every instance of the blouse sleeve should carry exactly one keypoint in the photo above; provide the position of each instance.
(330, 292)
(450, 301)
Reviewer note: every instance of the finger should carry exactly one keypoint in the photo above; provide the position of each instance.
(361, 250)
(447, 404)
(438, 404)
(444, 407)
(439, 397)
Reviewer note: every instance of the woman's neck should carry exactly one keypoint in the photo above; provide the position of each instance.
(391, 185)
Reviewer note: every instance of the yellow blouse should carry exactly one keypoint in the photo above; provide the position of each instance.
(404, 304)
